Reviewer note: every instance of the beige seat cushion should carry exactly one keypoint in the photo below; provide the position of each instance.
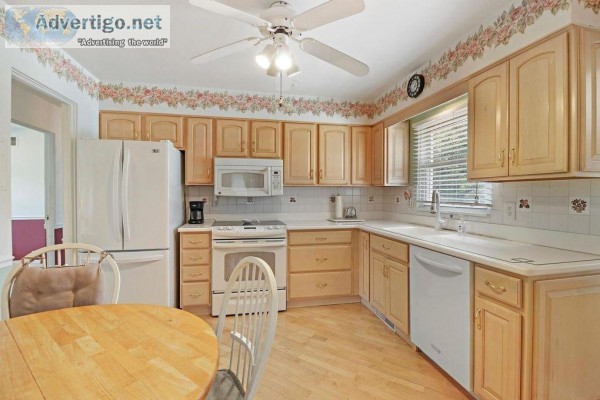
(38, 289)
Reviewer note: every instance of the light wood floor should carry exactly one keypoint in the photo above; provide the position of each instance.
(345, 352)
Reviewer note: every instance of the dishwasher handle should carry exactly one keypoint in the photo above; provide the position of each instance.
(439, 265)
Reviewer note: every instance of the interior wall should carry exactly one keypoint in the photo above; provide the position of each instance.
(27, 163)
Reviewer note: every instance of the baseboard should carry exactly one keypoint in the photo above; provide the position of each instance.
(322, 301)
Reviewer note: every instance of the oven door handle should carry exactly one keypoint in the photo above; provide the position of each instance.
(246, 245)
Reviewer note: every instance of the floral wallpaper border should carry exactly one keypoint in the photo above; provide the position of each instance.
(593, 4)
(512, 21)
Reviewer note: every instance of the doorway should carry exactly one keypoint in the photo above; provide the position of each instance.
(33, 190)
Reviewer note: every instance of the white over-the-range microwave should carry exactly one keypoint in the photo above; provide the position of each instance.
(248, 177)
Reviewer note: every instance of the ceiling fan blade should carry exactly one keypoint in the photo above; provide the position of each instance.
(227, 11)
(225, 50)
(328, 12)
(334, 57)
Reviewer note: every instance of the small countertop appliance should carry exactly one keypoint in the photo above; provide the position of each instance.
(196, 212)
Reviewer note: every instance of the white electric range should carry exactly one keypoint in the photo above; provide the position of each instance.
(234, 240)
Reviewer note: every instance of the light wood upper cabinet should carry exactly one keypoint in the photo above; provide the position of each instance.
(361, 155)
(266, 139)
(199, 151)
(538, 109)
(377, 282)
(364, 271)
(397, 295)
(120, 126)
(334, 155)
(590, 100)
(231, 137)
(497, 351)
(566, 354)
(300, 154)
(398, 161)
(378, 145)
(488, 123)
(164, 127)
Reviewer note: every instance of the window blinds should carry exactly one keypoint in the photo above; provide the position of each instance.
(439, 162)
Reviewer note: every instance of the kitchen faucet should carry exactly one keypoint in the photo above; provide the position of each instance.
(436, 209)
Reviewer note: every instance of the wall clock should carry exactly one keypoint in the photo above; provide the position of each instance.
(416, 84)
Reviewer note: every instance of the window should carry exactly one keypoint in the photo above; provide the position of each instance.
(439, 160)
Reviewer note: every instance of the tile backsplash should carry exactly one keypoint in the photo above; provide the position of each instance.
(566, 205)
(294, 200)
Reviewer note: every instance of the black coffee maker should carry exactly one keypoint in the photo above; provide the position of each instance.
(196, 212)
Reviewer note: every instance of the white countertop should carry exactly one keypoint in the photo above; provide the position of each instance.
(511, 256)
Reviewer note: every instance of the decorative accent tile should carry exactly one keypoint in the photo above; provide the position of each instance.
(579, 205)
(292, 199)
(332, 199)
(524, 204)
(594, 5)
(371, 199)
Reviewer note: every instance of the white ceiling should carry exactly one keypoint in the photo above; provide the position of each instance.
(393, 37)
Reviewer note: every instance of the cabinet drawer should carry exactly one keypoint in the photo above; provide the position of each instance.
(320, 237)
(320, 284)
(195, 257)
(195, 274)
(320, 258)
(195, 240)
(195, 294)
(498, 286)
(397, 250)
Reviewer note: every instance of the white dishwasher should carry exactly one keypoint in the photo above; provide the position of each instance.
(440, 309)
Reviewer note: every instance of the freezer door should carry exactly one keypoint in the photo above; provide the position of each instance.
(145, 195)
(146, 278)
(99, 164)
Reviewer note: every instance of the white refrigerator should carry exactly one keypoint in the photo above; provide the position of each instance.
(130, 202)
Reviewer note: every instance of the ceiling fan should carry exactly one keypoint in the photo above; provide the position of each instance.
(280, 24)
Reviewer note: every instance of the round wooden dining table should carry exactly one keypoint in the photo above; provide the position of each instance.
(107, 352)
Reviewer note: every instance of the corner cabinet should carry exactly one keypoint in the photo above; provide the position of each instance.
(120, 126)
(300, 154)
(199, 151)
(334, 155)
(391, 156)
(535, 116)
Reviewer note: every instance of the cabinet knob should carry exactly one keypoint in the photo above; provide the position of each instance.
(312, 174)
(254, 146)
(194, 241)
(477, 319)
(512, 156)
(321, 285)
(321, 238)
(495, 288)
(321, 259)
(196, 258)
(320, 174)
(195, 294)
(195, 273)
(385, 247)
(501, 157)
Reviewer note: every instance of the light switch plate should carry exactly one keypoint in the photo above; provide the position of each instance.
(510, 210)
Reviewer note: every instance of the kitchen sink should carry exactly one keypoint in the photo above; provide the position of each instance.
(418, 230)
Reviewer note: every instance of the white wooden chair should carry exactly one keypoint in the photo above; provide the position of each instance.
(253, 332)
(74, 254)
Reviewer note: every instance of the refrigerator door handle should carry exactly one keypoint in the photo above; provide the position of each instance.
(115, 194)
(125, 195)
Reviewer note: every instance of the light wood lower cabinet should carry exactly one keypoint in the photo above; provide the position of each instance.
(364, 270)
(389, 281)
(497, 351)
(321, 265)
(194, 272)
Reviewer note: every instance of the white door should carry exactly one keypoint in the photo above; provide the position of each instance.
(145, 195)
(98, 193)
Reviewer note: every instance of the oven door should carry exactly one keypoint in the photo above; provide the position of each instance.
(228, 253)
(243, 181)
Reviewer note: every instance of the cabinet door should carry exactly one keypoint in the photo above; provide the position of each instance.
(497, 351)
(364, 270)
(590, 100)
(539, 105)
(334, 155)
(164, 127)
(377, 282)
(199, 152)
(378, 144)
(231, 138)
(120, 126)
(397, 295)
(266, 139)
(361, 155)
(488, 124)
(566, 354)
(300, 154)
(397, 165)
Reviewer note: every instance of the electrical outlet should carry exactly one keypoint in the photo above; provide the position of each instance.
(510, 210)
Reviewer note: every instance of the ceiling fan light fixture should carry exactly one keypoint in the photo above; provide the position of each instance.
(273, 71)
(293, 71)
(283, 59)
(264, 59)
